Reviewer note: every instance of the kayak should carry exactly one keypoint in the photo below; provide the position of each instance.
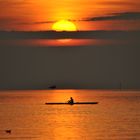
(61, 103)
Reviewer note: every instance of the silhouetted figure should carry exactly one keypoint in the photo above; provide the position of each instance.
(8, 131)
(71, 101)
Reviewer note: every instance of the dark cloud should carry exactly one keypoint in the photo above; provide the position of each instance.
(38, 22)
(99, 34)
(113, 16)
(117, 16)
(18, 21)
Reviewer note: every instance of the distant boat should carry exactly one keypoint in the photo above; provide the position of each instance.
(52, 87)
(61, 103)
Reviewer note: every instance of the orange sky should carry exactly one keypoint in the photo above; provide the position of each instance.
(39, 14)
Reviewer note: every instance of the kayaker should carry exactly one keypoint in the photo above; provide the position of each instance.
(71, 101)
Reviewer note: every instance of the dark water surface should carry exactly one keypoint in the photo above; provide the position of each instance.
(116, 117)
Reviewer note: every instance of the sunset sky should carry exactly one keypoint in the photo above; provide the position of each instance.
(86, 15)
(101, 51)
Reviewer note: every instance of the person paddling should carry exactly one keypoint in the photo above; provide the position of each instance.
(71, 101)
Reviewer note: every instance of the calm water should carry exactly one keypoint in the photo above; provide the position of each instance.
(116, 117)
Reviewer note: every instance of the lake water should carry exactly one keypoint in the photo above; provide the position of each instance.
(116, 117)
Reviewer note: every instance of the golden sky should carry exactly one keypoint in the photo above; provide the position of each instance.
(87, 15)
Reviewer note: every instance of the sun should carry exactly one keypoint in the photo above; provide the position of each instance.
(64, 25)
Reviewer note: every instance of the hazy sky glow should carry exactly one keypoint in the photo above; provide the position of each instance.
(87, 15)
